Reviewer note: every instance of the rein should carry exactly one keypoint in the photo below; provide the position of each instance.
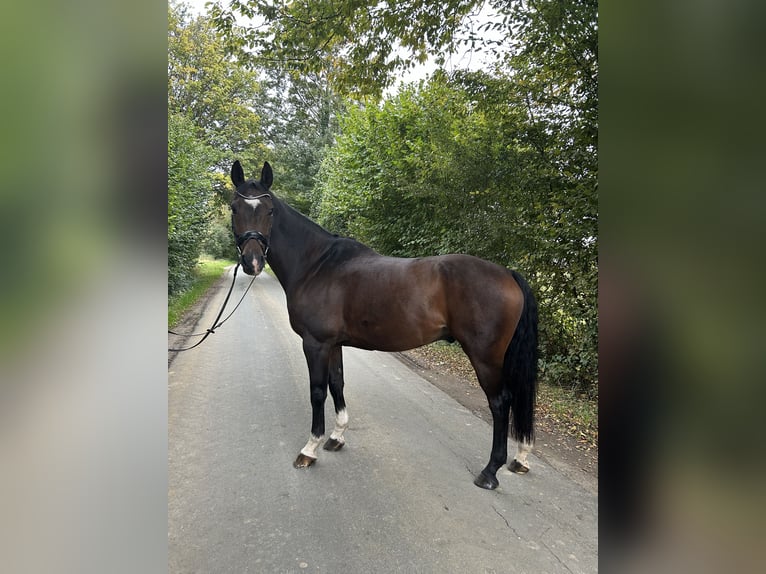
(240, 240)
(216, 324)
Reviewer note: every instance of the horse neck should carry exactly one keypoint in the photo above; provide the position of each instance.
(296, 243)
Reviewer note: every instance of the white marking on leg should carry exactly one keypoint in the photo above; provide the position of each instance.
(523, 448)
(341, 424)
(311, 446)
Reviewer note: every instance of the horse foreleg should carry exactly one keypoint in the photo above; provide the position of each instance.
(318, 360)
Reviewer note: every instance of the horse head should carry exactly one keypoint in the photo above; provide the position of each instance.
(252, 208)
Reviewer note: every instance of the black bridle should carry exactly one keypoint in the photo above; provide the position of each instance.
(257, 235)
(252, 234)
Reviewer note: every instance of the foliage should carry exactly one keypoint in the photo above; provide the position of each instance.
(212, 89)
(211, 119)
(189, 185)
(353, 42)
(299, 122)
(219, 241)
(397, 170)
(362, 45)
(554, 60)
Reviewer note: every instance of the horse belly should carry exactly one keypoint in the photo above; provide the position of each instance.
(395, 325)
(403, 339)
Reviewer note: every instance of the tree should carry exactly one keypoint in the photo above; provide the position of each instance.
(300, 121)
(362, 44)
(212, 120)
(355, 43)
(209, 87)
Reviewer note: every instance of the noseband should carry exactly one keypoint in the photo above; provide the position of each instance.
(257, 235)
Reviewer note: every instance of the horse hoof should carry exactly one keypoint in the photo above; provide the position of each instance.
(333, 445)
(303, 461)
(517, 467)
(486, 482)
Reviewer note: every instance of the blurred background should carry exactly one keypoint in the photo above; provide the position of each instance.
(83, 172)
(83, 392)
(681, 360)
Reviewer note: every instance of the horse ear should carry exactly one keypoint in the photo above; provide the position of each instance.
(237, 175)
(267, 177)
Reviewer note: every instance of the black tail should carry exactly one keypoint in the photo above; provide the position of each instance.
(520, 366)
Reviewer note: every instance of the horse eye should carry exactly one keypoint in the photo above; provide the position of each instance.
(271, 211)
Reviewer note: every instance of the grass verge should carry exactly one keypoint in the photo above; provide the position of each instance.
(208, 271)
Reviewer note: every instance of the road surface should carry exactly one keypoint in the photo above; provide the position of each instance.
(398, 498)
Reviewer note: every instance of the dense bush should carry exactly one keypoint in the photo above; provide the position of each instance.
(189, 200)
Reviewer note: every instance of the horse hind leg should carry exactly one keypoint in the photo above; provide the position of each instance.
(519, 464)
(499, 399)
(336, 440)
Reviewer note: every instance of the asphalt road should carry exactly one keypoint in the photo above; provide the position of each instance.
(398, 498)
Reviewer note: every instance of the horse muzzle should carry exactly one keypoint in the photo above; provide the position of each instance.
(252, 264)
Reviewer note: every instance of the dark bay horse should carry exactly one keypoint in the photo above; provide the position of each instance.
(342, 293)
